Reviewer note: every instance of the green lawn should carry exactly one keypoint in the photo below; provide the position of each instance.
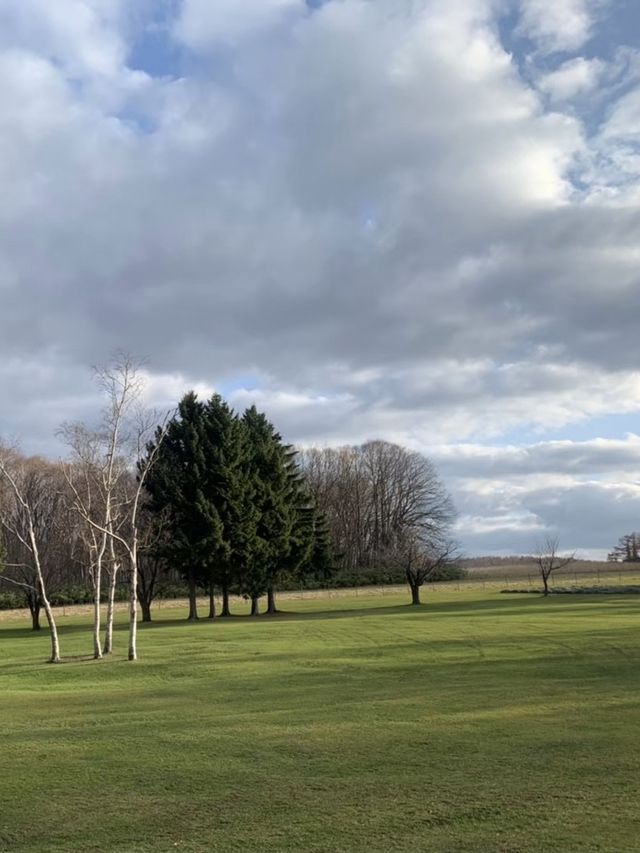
(479, 722)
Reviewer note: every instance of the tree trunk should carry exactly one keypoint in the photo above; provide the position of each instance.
(255, 611)
(225, 601)
(35, 618)
(193, 604)
(133, 604)
(55, 643)
(545, 581)
(111, 607)
(145, 607)
(97, 583)
(415, 594)
(212, 603)
(53, 628)
(271, 601)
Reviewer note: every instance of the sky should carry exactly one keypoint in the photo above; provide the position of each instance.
(415, 220)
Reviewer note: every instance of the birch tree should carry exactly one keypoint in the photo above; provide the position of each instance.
(108, 495)
(28, 505)
(99, 467)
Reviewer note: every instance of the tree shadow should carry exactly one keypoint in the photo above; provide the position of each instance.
(491, 607)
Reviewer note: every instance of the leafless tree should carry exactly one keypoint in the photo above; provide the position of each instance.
(549, 560)
(100, 463)
(27, 514)
(421, 558)
(377, 498)
(108, 497)
(151, 562)
(627, 550)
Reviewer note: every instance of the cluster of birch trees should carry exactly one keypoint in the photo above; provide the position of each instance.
(85, 510)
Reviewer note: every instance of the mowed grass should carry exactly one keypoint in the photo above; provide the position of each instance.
(478, 722)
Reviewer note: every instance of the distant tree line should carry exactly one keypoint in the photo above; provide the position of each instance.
(627, 550)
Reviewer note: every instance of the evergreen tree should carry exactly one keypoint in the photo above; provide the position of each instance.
(229, 489)
(322, 561)
(273, 498)
(311, 554)
(178, 485)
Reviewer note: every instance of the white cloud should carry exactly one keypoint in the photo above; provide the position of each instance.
(558, 25)
(203, 23)
(82, 36)
(574, 77)
(587, 493)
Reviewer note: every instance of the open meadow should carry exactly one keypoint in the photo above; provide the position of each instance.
(477, 722)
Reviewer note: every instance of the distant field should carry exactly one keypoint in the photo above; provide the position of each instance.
(578, 568)
(486, 577)
(479, 722)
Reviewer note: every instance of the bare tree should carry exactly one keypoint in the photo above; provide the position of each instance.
(100, 464)
(549, 560)
(627, 550)
(421, 558)
(151, 560)
(28, 507)
(109, 498)
(377, 498)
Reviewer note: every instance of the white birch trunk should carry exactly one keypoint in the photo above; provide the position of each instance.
(111, 608)
(97, 584)
(133, 600)
(53, 629)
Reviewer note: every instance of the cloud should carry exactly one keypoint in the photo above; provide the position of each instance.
(558, 26)
(83, 37)
(574, 77)
(571, 458)
(370, 207)
(202, 23)
(510, 497)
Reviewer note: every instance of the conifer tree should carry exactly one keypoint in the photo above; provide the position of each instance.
(269, 475)
(230, 491)
(177, 485)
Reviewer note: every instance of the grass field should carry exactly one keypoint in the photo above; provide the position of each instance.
(479, 722)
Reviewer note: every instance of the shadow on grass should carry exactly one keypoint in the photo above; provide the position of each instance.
(490, 608)
(529, 604)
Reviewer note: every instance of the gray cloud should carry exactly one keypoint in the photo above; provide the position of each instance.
(366, 208)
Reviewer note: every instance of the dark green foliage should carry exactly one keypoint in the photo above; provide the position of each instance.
(177, 486)
(238, 513)
(274, 497)
(11, 601)
(201, 480)
(231, 489)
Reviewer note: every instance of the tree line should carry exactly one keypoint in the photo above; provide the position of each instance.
(210, 495)
(627, 550)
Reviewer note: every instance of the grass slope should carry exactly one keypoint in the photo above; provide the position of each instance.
(475, 723)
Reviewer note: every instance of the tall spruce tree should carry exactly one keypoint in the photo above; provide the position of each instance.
(273, 499)
(311, 554)
(229, 488)
(322, 561)
(178, 485)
